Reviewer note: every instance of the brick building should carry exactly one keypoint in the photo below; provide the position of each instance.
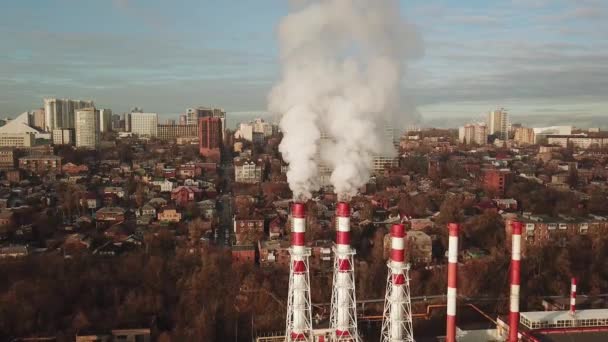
(243, 254)
(497, 180)
(246, 229)
(540, 229)
(111, 214)
(182, 195)
(210, 137)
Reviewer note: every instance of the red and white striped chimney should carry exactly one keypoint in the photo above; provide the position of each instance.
(515, 280)
(453, 229)
(343, 286)
(299, 325)
(573, 296)
(397, 260)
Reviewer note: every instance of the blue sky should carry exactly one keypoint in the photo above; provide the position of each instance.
(534, 57)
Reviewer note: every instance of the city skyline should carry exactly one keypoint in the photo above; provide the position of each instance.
(532, 57)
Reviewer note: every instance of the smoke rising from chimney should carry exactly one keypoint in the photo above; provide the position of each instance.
(342, 67)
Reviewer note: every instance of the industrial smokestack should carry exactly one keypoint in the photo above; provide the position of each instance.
(299, 311)
(343, 318)
(573, 296)
(453, 229)
(397, 319)
(515, 281)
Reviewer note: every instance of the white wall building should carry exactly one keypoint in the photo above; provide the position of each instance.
(473, 134)
(60, 113)
(248, 171)
(87, 128)
(144, 124)
(498, 124)
(542, 132)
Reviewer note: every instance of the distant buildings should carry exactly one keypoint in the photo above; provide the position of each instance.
(473, 134)
(524, 136)
(60, 113)
(578, 140)
(255, 131)
(17, 140)
(497, 180)
(210, 137)
(173, 132)
(40, 163)
(87, 128)
(541, 133)
(144, 124)
(38, 119)
(498, 124)
(105, 120)
(64, 136)
(7, 158)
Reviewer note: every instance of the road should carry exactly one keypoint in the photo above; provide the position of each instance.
(225, 205)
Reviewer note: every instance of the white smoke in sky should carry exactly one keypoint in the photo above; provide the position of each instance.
(342, 68)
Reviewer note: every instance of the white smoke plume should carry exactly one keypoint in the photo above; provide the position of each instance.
(343, 63)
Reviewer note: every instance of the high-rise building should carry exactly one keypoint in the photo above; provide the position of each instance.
(87, 128)
(144, 124)
(127, 122)
(105, 120)
(60, 113)
(116, 122)
(63, 136)
(170, 122)
(473, 134)
(194, 114)
(524, 136)
(183, 119)
(210, 137)
(38, 119)
(498, 124)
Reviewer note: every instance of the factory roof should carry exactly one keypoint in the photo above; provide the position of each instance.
(565, 315)
(579, 336)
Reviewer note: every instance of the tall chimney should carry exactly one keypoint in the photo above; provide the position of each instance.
(397, 318)
(299, 311)
(343, 316)
(573, 296)
(515, 281)
(453, 229)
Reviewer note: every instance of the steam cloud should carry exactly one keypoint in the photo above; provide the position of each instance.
(343, 62)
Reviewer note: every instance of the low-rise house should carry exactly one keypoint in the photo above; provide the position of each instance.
(321, 257)
(274, 252)
(157, 202)
(14, 251)
(90, 200)
(246, 229)
(13, 176)
(144, 220)
(207, 208)
(110, 214)
(74, 169)
(506, 203)
(40, 163)
(146, 210)
(169, 214)
(243, 254)
(6, 218)
(114, 190)
(182, 195)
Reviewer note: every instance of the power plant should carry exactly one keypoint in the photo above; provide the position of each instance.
(397, 316)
